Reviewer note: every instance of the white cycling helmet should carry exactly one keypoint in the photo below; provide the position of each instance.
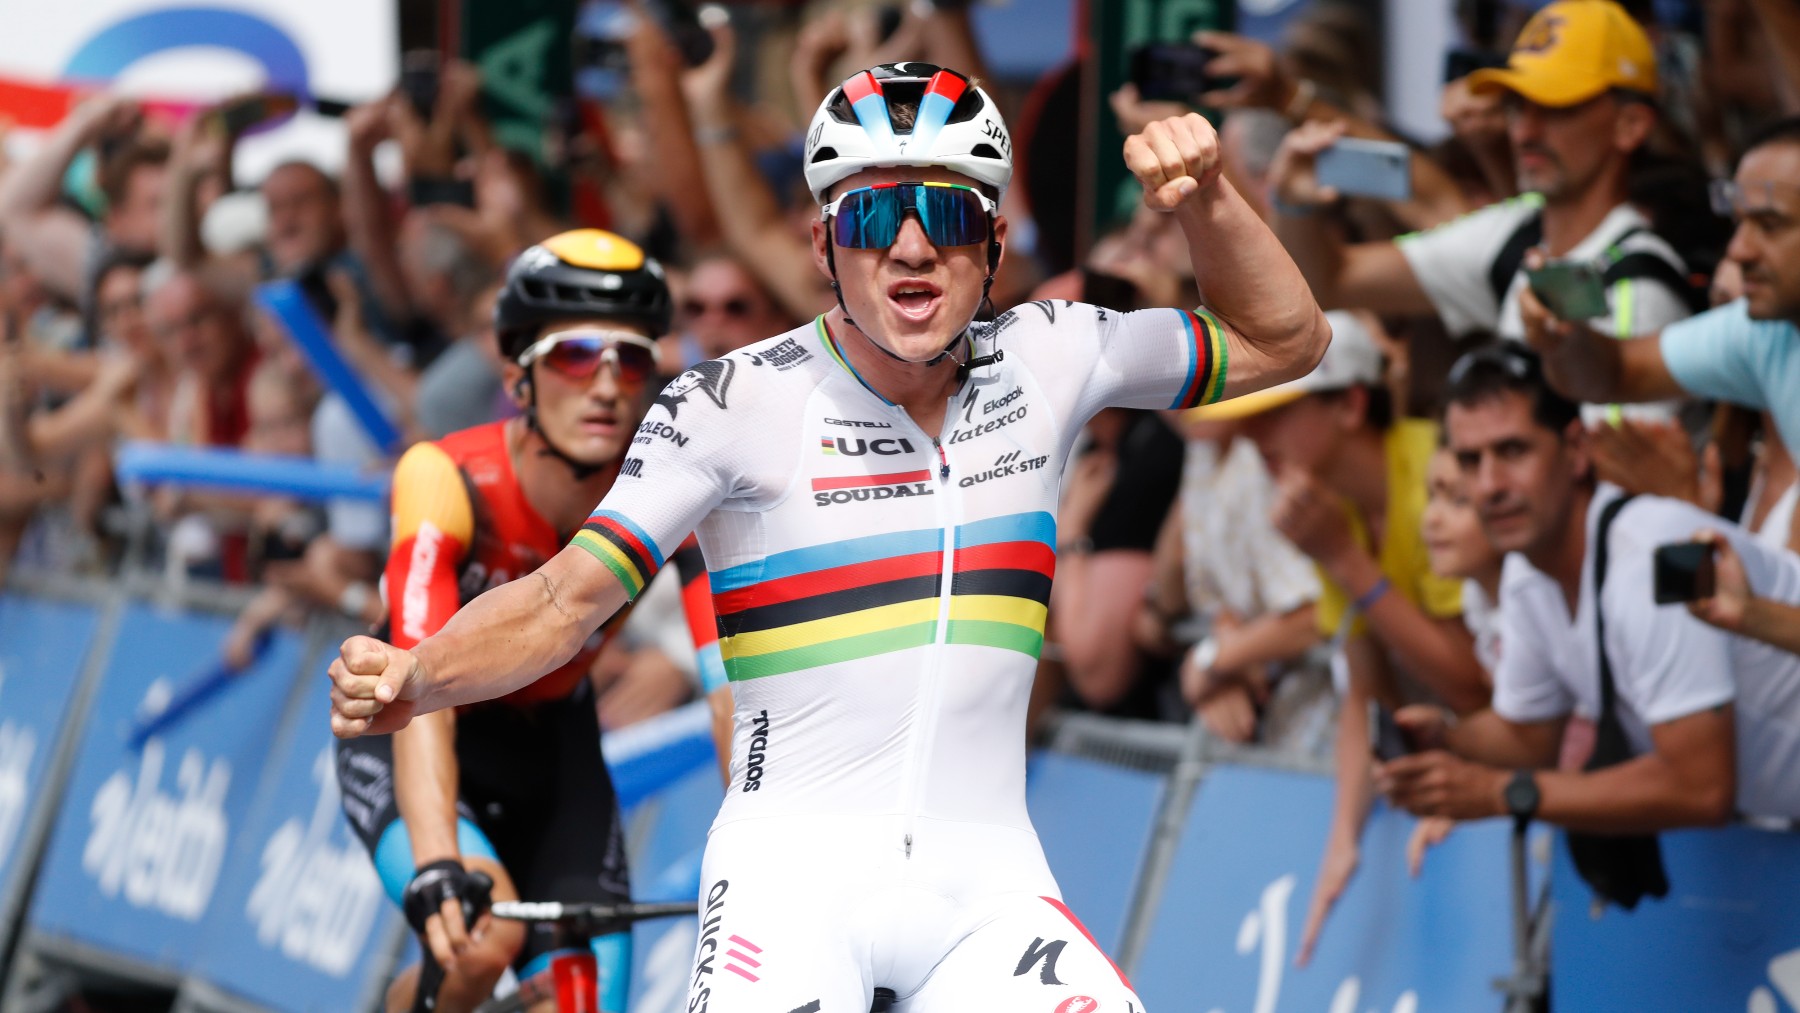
(957, 127)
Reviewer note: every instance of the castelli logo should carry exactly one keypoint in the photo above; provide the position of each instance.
(1077, 1004)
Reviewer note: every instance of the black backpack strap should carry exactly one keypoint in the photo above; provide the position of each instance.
(1512, 255)
(1649, 266)
(1608, 717)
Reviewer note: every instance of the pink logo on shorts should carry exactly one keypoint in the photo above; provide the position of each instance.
(737, 956)
(1077, 1004)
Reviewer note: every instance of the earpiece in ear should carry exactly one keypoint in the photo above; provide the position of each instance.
(522, 389)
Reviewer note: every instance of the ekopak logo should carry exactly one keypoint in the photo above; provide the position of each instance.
(116, 47)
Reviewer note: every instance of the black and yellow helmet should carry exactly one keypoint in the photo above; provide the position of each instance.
(583, 273)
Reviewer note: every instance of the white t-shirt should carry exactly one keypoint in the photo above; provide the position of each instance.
(1666, 663)
(1482, 619)
(1453, 261)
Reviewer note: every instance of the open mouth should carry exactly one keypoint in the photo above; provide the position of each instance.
(915, 299)
(602, 425)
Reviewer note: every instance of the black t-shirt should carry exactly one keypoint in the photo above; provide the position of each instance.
(1144, 487)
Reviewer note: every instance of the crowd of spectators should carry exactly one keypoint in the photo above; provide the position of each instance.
(1390, 533)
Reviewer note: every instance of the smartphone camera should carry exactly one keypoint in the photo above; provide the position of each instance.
(419, 80)
(1683, 571)
(1174, 72)
(1387, 740)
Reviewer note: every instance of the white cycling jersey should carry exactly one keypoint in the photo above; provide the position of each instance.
(881, 596)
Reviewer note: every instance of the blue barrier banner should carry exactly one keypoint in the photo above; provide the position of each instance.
(1730, 921)
(138, 847)
(1094, 821)
(299, 920)
(237, 471)
(667, 867)
(1230, 920)
(42, 645)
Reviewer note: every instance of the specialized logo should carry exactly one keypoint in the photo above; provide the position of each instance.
(784, 355)
(632, 468)
(1048, 306)
(759, 743)
(837, 445)
(738, 958)
(1005, 467)
(990, 425)
(710, 378)
(416, 595)
(1078, 1004)
(648, 432)
(859, 425)
(709, 946)
(1041, 952)
(864, 488)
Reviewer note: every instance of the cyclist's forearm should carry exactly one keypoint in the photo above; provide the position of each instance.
(425, 780)
(516, 633)
(1248, 280)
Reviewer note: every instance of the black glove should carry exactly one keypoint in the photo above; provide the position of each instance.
(439, 881)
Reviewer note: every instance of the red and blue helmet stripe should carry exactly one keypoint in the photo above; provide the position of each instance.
(864, 93)
(941, 96)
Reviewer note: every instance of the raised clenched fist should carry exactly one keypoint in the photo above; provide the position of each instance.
(374, 688)
(1174, 158)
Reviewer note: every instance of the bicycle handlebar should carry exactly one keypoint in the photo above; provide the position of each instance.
(555, 911)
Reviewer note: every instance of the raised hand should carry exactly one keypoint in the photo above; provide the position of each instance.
(1174, 159)
(375, 687)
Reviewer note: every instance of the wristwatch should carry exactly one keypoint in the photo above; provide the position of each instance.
(1522, 796)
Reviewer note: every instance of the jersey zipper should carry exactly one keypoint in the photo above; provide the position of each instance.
(925, 731)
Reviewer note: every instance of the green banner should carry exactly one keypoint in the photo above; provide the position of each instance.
(1110, 193)
(524, 51)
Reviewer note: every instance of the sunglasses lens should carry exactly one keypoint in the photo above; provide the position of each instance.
(580, 358)
(576, 358)
(952, 216)
(868, 219)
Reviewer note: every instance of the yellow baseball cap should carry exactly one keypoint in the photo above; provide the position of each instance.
(1573, 51)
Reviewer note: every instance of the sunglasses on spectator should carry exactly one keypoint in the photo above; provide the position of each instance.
(1512, 358)
(737, 307)
(869, 218)
(1731, 199)
(579, 354)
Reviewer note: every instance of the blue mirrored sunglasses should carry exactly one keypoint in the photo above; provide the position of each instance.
(869, 218)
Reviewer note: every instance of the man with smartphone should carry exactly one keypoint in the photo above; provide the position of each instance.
(1746, 352)
(1580, 97)
(1712, 720)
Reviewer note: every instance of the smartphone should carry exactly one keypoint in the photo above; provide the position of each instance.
(1683, 571)
(1174, 72)
(1571, 289)
(240, 114)
(1460, 63)
(419, 80)
(685, 25)
(1386, 739)
(1365, 168)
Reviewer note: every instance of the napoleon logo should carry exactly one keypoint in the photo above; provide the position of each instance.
(710, 378)
(834, 446)
(1041, 952)
(784, 355)
(632, 468)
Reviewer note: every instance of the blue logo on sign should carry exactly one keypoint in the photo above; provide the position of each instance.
(118, 46)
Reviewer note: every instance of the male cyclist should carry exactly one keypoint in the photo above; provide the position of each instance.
(516, 788)
(874, 494)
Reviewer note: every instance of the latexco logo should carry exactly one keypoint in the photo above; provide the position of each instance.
(316, 900)
(160, 850)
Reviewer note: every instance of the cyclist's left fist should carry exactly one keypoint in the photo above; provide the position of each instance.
(1174, 158)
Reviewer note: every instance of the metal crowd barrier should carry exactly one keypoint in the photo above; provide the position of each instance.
(209, 862)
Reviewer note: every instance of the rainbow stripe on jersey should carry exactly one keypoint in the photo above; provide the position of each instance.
(1206, 361)
(857, 598)
(626, 550)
